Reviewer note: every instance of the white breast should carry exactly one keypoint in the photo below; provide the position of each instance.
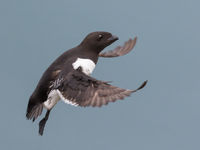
(87, 65)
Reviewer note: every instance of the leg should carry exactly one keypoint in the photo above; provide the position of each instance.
(43, 122)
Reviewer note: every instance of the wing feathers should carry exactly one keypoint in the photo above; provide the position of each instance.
(120, 50)
(80, 89)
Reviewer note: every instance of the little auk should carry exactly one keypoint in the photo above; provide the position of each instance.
(68, 78)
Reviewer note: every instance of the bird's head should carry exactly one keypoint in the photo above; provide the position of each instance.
(97, 41)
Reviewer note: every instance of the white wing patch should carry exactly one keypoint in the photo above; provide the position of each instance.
(66, 100)
(87, 65)
(55, 96)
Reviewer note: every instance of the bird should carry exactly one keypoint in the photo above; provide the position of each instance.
(69, 78)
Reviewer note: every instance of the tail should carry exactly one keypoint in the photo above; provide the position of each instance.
(43, 122)
(33, 110)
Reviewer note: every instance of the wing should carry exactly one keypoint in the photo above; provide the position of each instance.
(120, 50)
(79, 89)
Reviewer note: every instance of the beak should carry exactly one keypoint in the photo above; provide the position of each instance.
(113, 38)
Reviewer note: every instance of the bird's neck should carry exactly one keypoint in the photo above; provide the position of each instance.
(89, 53)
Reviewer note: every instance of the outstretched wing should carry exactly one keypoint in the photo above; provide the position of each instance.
(120, 50)
(79, 89)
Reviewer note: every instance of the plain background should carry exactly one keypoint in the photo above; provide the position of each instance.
(165, 115)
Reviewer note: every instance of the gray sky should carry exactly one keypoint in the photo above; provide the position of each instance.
(165, 115)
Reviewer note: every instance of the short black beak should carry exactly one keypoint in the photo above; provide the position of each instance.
(113, 38)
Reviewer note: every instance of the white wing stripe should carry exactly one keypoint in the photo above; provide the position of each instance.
(66, 100)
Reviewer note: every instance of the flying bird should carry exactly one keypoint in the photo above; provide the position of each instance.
(68, 78)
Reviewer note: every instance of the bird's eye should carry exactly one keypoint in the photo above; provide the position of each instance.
(100, 36)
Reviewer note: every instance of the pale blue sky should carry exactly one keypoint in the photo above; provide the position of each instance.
(165, 115)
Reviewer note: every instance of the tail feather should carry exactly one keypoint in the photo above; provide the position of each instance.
(34, 112)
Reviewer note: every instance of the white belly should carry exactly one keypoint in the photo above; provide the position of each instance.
(87, 65)
(52, 100)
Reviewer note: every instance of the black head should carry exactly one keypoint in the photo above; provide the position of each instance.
(97, 41)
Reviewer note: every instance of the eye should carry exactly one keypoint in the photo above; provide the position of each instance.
(100, 36)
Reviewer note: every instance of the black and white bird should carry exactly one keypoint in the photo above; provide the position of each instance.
(68, 78)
